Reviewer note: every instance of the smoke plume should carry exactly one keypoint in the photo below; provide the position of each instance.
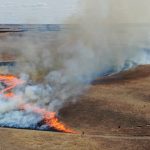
(58, 66)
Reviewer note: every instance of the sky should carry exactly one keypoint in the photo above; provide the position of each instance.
(56, 11)
(36, 11)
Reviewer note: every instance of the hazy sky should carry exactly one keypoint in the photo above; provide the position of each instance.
(55, 11)
(36, 11)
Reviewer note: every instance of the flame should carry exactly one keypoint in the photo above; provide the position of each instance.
(50, 118)
(10, 81)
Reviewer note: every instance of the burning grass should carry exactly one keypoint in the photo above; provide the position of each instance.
(50, 118)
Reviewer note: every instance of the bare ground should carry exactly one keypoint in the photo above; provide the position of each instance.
(114, 114)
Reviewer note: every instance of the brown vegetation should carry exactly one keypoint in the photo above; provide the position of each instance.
(114, 114)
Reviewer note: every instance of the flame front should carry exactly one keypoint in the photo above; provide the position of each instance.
(10, 82)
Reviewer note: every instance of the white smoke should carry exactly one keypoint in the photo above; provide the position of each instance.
(58, 66)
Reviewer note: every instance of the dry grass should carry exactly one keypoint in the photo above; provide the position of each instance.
(117, 105)
(13, 139)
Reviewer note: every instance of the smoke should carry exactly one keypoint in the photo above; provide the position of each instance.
(59, 66)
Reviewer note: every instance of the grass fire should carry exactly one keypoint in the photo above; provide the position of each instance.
(10, 82)
(88, 76)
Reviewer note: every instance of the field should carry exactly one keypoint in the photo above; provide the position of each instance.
(113, 114)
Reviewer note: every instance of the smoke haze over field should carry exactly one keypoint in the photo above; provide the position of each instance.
(58, 66)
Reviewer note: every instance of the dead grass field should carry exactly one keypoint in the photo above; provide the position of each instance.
(114, 114)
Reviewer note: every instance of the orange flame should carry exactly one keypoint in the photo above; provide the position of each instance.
(50, 118)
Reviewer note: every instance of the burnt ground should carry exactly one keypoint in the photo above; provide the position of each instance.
(114, 114)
